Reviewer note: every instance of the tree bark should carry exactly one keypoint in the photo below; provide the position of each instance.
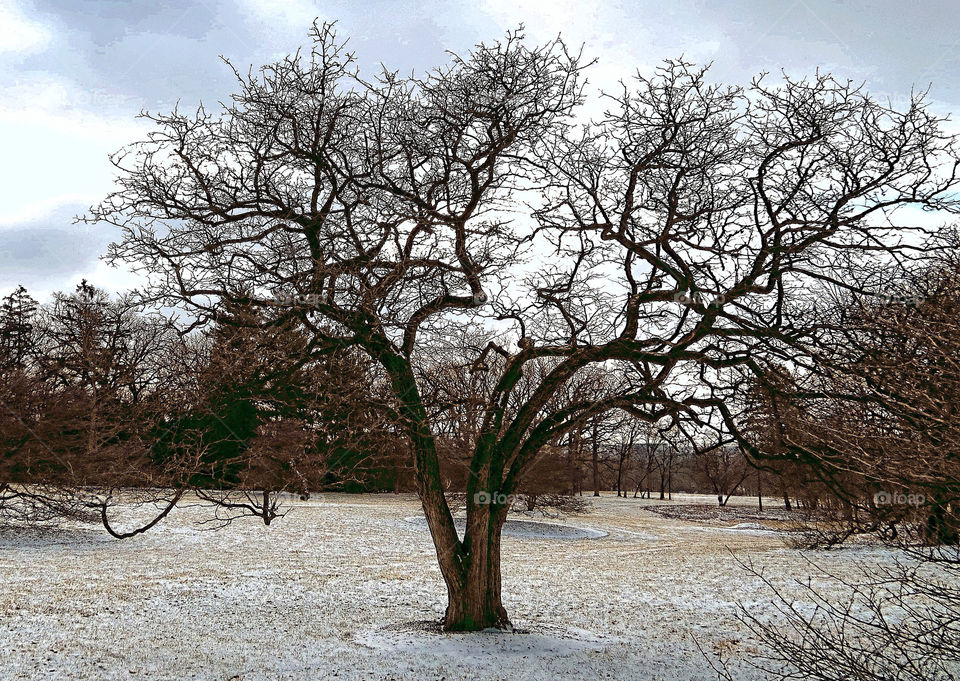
(759, 490)
(474, 594)
(786, 494)
(595, 454)
(620, 490)
(470, 568)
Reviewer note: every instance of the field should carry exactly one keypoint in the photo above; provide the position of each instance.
(346, 587)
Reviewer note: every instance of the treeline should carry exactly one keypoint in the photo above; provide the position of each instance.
(867, 439)
(873, 435)
(98, 396)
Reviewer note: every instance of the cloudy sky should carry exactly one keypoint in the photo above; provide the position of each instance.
(74, 74)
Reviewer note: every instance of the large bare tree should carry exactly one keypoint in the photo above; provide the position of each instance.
(676, 243)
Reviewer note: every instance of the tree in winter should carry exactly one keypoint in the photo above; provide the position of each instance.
(723, 468)
(680, 241)
(879, 419)
(17, 311)
(270, 417)
(84, 378)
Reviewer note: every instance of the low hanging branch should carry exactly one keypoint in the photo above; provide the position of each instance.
(104, 505)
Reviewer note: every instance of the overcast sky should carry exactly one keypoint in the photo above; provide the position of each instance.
(74, 74)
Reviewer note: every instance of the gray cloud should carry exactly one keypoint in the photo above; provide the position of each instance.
(119, 56)
(157, 53)
(892, 44)
(44, 253)
(153, 53)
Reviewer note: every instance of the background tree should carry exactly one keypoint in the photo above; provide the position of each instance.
(17, 312)
(626, 434)
(20, 395)
(880, 416)
(667, 457)
(723, 468)
(84, 387)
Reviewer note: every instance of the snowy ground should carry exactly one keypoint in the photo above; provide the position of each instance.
(345, 587)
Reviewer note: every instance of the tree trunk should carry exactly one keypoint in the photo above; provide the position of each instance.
(941, 527)
(595, 455)
(470, 568)
(620, 489)
(651, 459)
(474, 601)
(572, 454)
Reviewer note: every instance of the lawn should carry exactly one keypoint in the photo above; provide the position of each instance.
(347, 587)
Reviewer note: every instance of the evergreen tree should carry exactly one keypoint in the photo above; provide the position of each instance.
(17, 312)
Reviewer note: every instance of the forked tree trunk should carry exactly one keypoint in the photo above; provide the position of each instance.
(474, 594)
(470, 566)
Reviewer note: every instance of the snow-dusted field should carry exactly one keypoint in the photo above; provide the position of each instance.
(341, 586)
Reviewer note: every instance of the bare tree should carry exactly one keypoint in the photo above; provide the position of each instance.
(654, 441)
(724, 469)
(626, 434)
(667, 457)
(86, 380)
(882, 444)
(879, 418)
(679, 239)
(896, 622)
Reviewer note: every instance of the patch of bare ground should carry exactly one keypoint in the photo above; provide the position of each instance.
(777, 518)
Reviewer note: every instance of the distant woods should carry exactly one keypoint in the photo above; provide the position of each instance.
(99, 397)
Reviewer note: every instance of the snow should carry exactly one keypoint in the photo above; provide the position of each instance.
(749, 526)
(528, 529)
(347, 587)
